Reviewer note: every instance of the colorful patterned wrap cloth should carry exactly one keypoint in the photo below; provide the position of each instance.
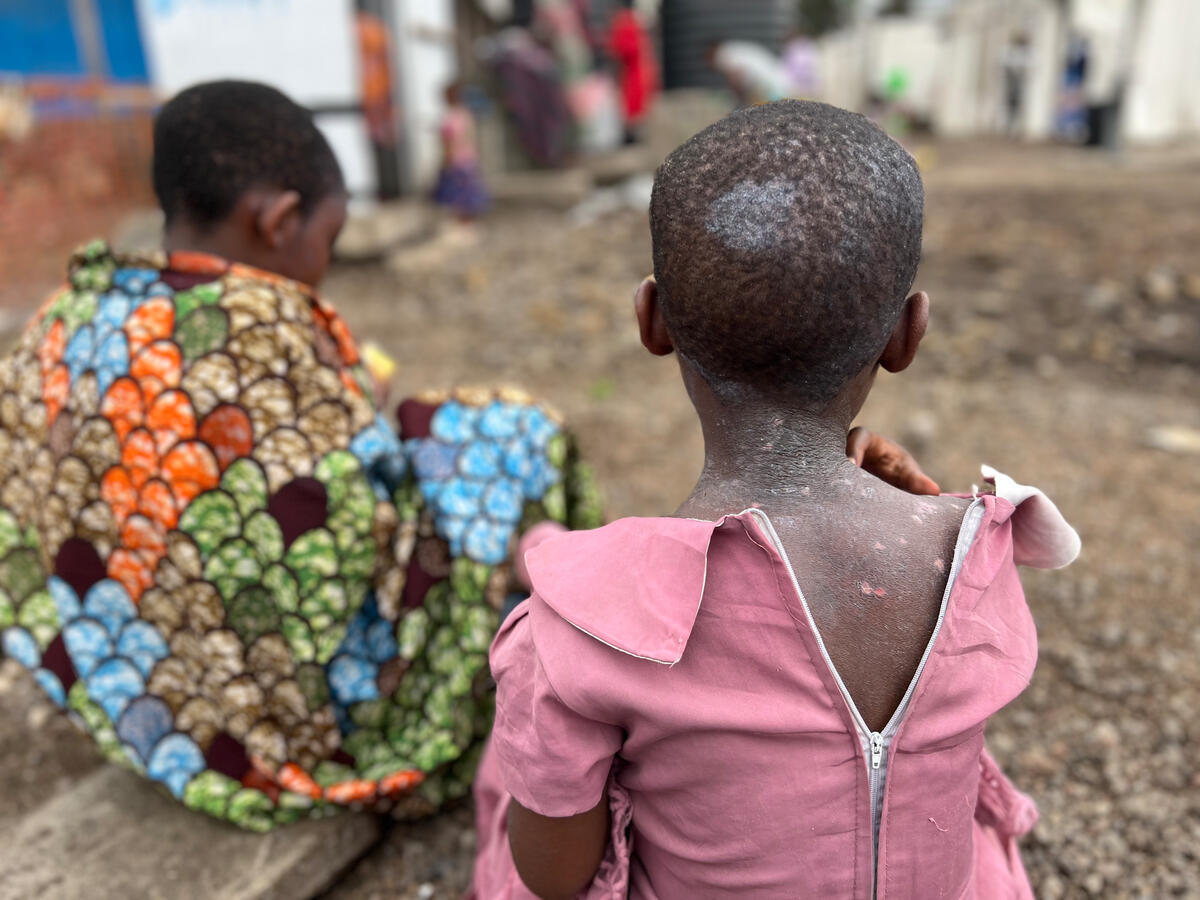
(228, 569)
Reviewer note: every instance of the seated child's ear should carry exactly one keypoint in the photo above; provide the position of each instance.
(906, 337)
(651, 325)
(279, 218)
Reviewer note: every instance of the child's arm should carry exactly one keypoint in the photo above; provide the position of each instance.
(888, 461)
(553, 747)
(557, 858)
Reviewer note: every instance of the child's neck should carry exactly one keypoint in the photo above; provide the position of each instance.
(768, 456)
(215, 242)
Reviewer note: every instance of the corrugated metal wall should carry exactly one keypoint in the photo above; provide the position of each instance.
(690, 27)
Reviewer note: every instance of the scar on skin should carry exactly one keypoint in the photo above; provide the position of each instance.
(903, 542)
(917, 518)
(879, 546)
(753, 215)
(869, 591)
(941, 566)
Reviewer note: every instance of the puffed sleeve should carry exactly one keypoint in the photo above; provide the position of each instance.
(553, 760)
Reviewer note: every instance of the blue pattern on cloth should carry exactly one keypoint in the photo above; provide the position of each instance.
(382, 456)
(112, 650)
(478, 470)
(354, 670)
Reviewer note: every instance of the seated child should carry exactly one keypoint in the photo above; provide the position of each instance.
(213, 551)
(781, 689)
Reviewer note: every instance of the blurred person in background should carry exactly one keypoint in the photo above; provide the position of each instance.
(460, 184)
(1016, 70)
(631, 48)
(802, 63)
(589, 91)
(1110, 45)
(527, 79)
(375, 48)
(752, 72)
(1072, 112)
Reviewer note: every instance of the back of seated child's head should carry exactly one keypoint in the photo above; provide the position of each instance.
(243, 171)
(786, 237)
(214, 141)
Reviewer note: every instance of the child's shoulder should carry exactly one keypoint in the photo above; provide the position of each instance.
(634, 584)
(1040, 534)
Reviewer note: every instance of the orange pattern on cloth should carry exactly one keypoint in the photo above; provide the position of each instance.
(229, 432)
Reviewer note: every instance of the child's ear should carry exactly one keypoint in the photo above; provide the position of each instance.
(651, 324)
(906, 337)
(279, 219)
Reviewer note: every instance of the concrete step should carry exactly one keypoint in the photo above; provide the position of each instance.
(114, 834)
(550, 189)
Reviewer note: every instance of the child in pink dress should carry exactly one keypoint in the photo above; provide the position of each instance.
(460, 182)
(781, 690)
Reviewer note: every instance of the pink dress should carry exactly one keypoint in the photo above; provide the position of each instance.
(675, 660)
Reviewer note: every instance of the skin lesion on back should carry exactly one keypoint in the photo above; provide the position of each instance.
(873, 564)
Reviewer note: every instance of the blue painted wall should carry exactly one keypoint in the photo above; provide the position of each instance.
(126, 58)
(37, 39)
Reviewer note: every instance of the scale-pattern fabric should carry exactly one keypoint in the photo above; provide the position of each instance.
(229, 569)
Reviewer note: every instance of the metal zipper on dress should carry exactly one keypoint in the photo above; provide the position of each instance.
(875, 743)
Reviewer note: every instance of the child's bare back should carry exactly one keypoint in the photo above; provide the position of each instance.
(872, 564)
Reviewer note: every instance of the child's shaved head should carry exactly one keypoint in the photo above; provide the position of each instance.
(215, 141)
(786, 238)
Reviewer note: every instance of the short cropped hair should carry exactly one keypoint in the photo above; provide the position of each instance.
(786, 237)
(215, 141)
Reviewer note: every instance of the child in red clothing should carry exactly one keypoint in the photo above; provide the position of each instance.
(631, 48)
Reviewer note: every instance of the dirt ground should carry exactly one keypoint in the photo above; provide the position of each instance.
(1066, 330)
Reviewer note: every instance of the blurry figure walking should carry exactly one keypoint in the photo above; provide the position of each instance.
(460, 183)
(631, 48)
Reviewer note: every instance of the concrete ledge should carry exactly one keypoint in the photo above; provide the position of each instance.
(553, 189)
(115, 835)
(618, 165)
(369, 234)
